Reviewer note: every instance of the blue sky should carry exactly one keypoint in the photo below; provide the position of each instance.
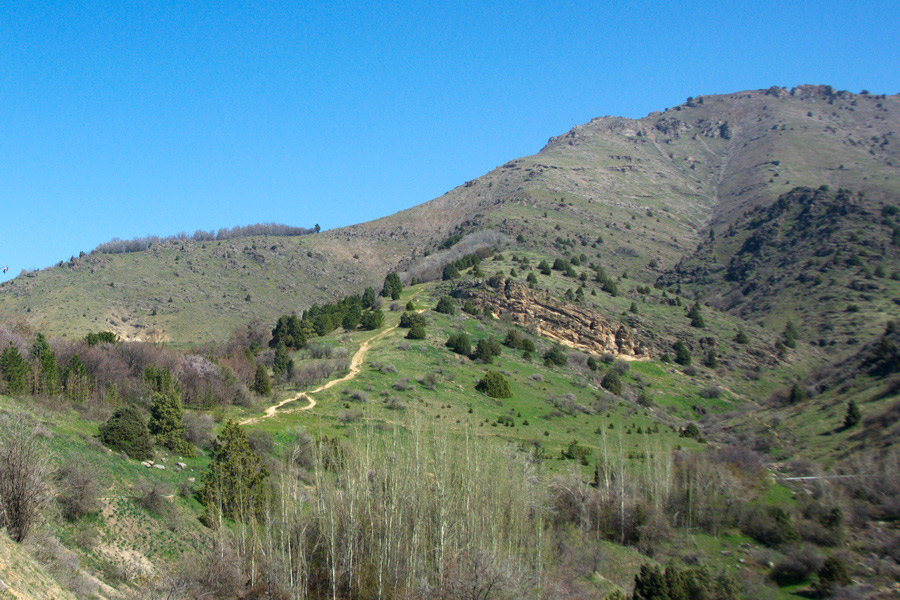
(122, 119)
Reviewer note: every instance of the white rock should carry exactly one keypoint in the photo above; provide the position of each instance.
(160, 467)
(147, 463)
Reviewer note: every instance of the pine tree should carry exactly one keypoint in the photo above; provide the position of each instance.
(126, 431)
(650, 584)
(372, 319)
(392, 287)
(14, 369)
(493, 384)
(283, 364)
(44, 372)
(695, 316)
(166, 423)
(262, 385)
(368, 298)
(76, 381)
(853, 416)
(234, 485)
(797, 394)
(682, 354)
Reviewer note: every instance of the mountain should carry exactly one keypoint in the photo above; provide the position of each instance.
(641, 194)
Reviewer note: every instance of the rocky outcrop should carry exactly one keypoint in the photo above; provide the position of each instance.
(569, 324)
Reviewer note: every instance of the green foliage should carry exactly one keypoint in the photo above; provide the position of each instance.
(161, 381)
(416, 332)
(555, 356)
(789, 335)
(262, 385)
(517, 341)
(695, 316)
(14, 369)
(769, 525)
(469, 307)
(445, 305)
(832, 574)
(493, 384)
(531, 278)
(682, 354)
(486, 349)
(796, 394)
(283, 364)
(77, 382)
(853, 416)
(372, 319)
(741, 337)
(44, 371)
(392, 286)
(234, 485)
(612, 383)
(126, 431)
(102, 337)
(166, 423)
(711, 359)
(574, 451)
(450, 272)
(607, 284)
(411, 319)
(368, 298)
(289, 332)
(459, 343)
(544, 268)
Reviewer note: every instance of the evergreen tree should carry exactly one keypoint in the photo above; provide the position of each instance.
(416, 332)
(126, 431)
(166, 423)
(650, 584)
(44, 372)
(544, 268)
(445, 305)
(612, 383)
(797, 394)
(695, 316)
(790, 335)
(262, 385)
(486, 349)
(493, 384)
(711, 360)
(234, 485)
(741, 337)
(368, 298)
(160, 380)
(682, 354)
(832, 574)
(555, 356)
(14, 369)
(392, 287)
(459, 343)
(372, 319)
(283, 364)
(450, 271)
(76, 380)
(853, 416)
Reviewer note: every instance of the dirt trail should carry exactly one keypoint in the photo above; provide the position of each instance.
(356, 363)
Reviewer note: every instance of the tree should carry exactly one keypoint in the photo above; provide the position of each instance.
(76, 381)
(832, 574)
(44, 373)
(283, 364)
(796, 394)
(160, 380)
(234, 485)
(445, 305)
(410, 319)
(262, 385)
(459, 343)
(711, 360)
(612, 383)
(23, 476)
(450, 271)
(126, 431)
(682, 354)
(650, 584)
(555, 356)
(368, 298)
(167, 424)
(790, 335)
(493, 384)
(741, 337)
(416, 332)
(695, 316)
(102, 337)
(544, 268)
(14, 369)
(372, 319)
(392, 287)
(486, 349)
(289, 331)
(853, 416)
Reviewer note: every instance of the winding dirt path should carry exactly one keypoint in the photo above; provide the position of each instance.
(356, 363)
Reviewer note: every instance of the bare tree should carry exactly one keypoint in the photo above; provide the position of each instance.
(23, 476)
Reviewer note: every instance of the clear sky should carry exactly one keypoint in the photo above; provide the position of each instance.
(121, 119)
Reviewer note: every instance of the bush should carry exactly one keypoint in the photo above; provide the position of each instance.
(493, 384)
(486, 349)
(682, 354)
(797, 566)
(771, 526)
(416, 332)
(372, 319)
(459, 343)
(409, 319)
(445, 305)
(126, 431)
(555, 356)
(77, 495)
(612, 383)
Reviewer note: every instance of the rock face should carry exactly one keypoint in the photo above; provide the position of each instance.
(569, 324)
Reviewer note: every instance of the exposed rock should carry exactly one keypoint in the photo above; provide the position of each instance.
(147, 463)
(180, 466)
(160, 467)
(569, 324)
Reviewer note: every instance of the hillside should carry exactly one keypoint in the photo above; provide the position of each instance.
(639, 194)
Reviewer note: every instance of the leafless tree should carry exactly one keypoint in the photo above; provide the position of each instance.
(23, 476)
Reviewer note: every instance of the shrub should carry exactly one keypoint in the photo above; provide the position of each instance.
(416, 332)
(486, 349)
(555, 356)
(445, 305)
(771, 526)
(612, 383)
(372, 319)
(409, 319)
(493, 384)
(459, 343)
(682, 354)
(77, 490)
(126, 431)
(797, 566)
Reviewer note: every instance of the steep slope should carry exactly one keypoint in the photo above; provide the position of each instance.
(638, 195)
